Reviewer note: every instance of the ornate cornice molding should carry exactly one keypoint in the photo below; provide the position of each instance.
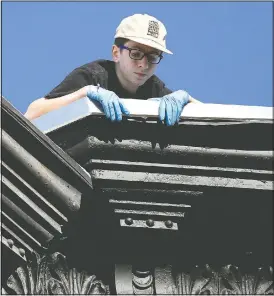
(229, 280)
(200, 280)
(50, 274)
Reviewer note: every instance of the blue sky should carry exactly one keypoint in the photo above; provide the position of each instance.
(222, 50)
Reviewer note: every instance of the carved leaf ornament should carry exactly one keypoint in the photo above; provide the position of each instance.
(228, 281)
(51, 275)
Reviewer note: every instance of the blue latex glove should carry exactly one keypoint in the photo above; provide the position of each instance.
(171, 106)
(111, 103)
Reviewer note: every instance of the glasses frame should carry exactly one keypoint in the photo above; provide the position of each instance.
(144, 54)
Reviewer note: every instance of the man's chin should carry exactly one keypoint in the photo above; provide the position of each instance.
(139, 82)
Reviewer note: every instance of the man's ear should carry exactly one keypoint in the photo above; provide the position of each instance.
(115, 53)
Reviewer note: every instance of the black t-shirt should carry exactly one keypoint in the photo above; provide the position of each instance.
(103, 72)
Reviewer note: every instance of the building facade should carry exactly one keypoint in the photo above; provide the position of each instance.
(94, 207)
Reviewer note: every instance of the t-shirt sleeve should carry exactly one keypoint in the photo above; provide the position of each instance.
(77, 79)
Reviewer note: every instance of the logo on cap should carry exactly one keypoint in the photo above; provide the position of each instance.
(153, 29)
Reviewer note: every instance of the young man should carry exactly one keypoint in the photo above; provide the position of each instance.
(140, 42)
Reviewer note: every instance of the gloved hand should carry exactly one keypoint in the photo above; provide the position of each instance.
(111, 103)
(171, 106)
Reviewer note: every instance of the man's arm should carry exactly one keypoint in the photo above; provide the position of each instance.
(112, 106)
(69, 90)
(42, 106)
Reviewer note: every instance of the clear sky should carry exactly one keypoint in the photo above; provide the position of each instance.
(222, 50)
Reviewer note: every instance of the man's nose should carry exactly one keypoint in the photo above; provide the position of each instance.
(143, 63)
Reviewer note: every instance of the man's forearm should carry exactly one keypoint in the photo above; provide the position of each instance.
(42, 106)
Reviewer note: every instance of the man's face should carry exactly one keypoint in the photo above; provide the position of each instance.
(134, 72)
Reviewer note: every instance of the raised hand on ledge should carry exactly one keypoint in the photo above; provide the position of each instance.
(113, 107)
(171, 106)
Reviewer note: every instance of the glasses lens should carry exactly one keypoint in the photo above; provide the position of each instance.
(153, 58)
(136, 54)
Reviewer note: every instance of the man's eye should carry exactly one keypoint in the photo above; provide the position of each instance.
(136, 53)
(153, 57)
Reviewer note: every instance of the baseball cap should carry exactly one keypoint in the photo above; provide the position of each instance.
(144, 29)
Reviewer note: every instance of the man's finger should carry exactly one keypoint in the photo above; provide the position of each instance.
(179, 111)
(111, 111)
(162, 110)
(174, 111)
(106, 109)
(117, 110)
(168, 113)
(123, 108)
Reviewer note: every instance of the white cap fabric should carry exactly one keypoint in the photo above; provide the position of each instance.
(144, 29)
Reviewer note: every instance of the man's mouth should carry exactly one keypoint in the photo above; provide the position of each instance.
(140, 74)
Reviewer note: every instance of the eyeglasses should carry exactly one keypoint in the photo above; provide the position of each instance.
(136, 54)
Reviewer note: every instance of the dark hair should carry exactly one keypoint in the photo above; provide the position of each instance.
(120, 41)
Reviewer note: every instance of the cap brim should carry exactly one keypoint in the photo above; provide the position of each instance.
(147, 42)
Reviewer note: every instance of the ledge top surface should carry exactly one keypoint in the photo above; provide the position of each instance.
(144, 108)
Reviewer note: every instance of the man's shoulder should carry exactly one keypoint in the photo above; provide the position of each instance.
(156, 83)
(97, 67)
(155, 87)
(156, 80)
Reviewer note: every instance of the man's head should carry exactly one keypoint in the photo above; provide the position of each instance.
(138, 48)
